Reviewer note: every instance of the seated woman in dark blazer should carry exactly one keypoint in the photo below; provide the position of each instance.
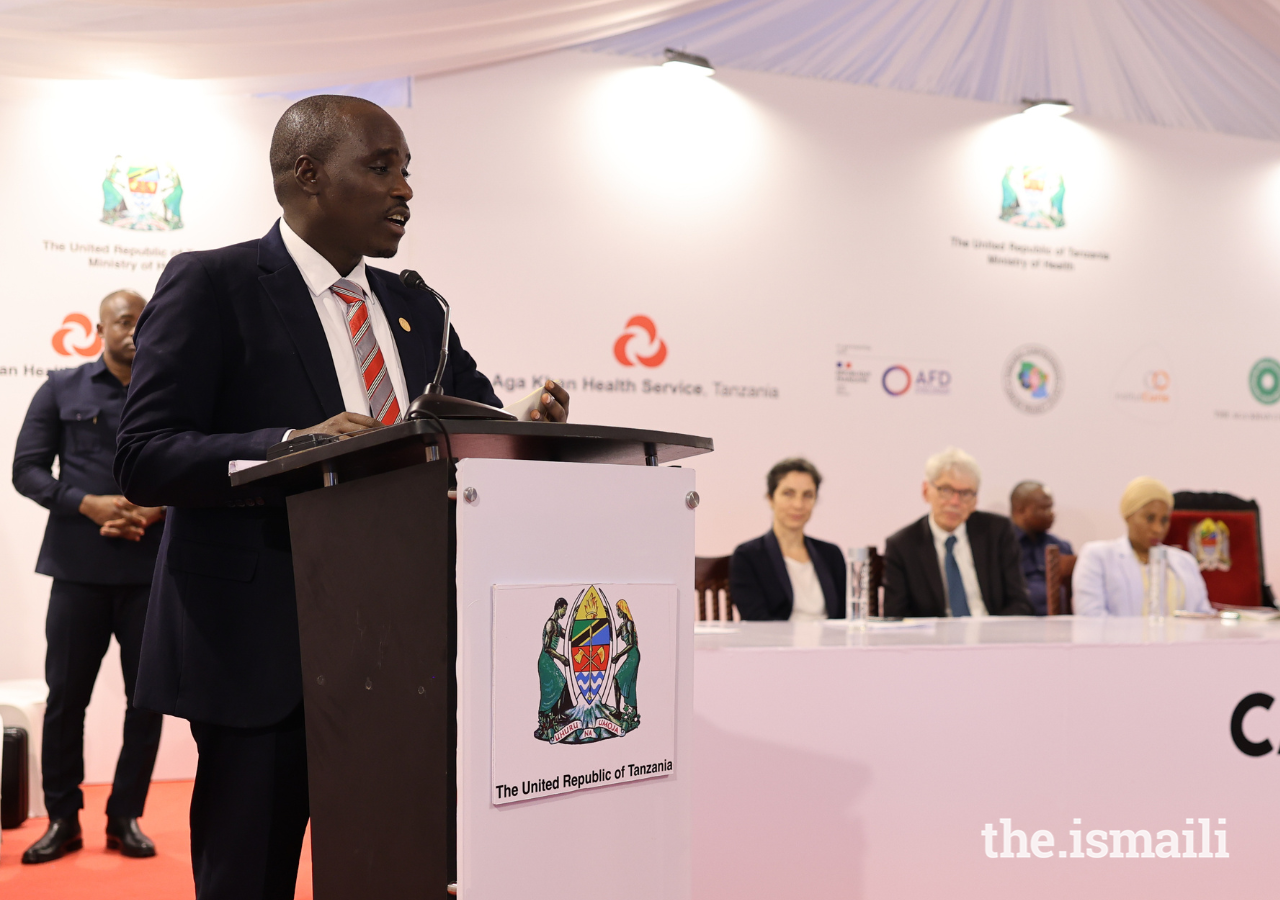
(785, 574)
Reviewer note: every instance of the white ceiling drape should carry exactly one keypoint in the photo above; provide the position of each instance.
(1212, 65)
(1204, 64)
(348, 40)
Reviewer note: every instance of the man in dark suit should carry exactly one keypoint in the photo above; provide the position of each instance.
(290, 334)
(100, 550)
(954, 561)
(1031, 511)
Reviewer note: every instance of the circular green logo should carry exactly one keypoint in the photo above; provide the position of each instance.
(1264, 380)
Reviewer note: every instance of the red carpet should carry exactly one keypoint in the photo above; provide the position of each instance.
(95, 874)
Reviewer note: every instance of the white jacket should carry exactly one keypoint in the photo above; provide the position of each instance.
(1108, 580)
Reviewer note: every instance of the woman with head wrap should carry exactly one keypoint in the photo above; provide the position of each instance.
(1111, 577)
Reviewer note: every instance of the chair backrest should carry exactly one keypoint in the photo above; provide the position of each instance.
(711, 585)
(1224, 533)
(876, 561)
(1058, 568)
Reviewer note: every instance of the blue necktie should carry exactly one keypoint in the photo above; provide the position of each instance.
(956, 596)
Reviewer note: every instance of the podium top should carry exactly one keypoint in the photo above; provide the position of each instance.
(406, 443)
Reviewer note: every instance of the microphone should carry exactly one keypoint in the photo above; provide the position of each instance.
(412, 279)
(433, 403)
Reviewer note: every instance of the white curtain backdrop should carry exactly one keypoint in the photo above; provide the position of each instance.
(1212, 65)
(280, 40)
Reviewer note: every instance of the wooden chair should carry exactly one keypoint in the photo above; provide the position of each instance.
(876, 561)
(1058, 567)
(711, 584)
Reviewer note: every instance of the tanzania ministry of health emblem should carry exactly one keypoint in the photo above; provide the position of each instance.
(587, 671)
(1210, 543)
(142, 197)
(1032, 197)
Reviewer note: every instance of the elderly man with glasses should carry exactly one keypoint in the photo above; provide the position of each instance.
(955, 561)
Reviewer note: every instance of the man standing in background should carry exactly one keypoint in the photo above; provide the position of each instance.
(1031, 508)
(100, 550)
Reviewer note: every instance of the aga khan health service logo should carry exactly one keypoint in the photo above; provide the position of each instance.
(651, 353)
(1033, 379)
(77, 322)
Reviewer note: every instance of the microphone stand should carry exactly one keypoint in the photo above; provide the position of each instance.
(434, 403)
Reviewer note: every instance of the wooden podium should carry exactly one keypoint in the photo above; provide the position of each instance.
(373, 527)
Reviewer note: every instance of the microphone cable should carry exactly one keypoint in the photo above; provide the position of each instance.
(439, 423)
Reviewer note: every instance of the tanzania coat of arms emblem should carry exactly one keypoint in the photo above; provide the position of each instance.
(1210, 543)
(587, 671)
(144, 197)
(1032, 197)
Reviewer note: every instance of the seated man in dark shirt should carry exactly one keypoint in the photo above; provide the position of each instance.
(1031, 506)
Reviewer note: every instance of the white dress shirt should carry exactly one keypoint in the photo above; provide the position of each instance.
(320, 275)
(964, 559)
(809, 603)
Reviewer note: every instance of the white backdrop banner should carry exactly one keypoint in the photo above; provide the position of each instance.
(859, 275)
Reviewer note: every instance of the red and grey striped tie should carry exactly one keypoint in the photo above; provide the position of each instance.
(373, 368)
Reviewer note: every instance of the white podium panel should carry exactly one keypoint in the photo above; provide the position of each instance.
(558, 529)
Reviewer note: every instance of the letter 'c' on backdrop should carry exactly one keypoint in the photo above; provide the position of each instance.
(1252, 748)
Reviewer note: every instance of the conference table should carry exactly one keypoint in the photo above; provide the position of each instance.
(986, 757)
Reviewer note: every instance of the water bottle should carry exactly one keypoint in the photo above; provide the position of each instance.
(1157, 583)
(859, 593)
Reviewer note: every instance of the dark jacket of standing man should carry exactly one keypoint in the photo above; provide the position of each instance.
(954, 561)
(239, 346)
(100, 550)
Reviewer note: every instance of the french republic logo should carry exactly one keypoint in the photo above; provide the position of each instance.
(651, 354)
(77, 322)
(1033, 379)
(600, 651)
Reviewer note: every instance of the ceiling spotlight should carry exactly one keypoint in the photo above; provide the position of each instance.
(1046, 107)
(687, 62)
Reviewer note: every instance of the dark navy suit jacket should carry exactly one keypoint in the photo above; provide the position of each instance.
(913, 579)
(231, 353)
(761, 588)
(73, 418)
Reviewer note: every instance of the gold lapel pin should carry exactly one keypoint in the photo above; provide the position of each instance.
(404, 323)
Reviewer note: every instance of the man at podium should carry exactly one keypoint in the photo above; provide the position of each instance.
(240, 348)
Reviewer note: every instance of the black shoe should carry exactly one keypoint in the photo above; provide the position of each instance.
(123, 834)
(62, 838)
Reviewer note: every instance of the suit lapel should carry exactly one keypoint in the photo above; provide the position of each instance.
(288, 292)
(824, 578)
(774, 552)
(977, 549)
(409, 344)
(1131, 568)
(933, 571)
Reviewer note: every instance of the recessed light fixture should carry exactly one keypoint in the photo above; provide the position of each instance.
(1046, 107)
(687, 62)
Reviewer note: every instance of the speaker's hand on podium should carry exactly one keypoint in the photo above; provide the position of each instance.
(554, 406)
(342, 423)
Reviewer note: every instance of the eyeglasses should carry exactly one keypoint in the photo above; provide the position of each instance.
(947, 492)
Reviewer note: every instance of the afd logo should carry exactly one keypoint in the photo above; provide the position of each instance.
(77, 322)
(898, 380)
(651, 353)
